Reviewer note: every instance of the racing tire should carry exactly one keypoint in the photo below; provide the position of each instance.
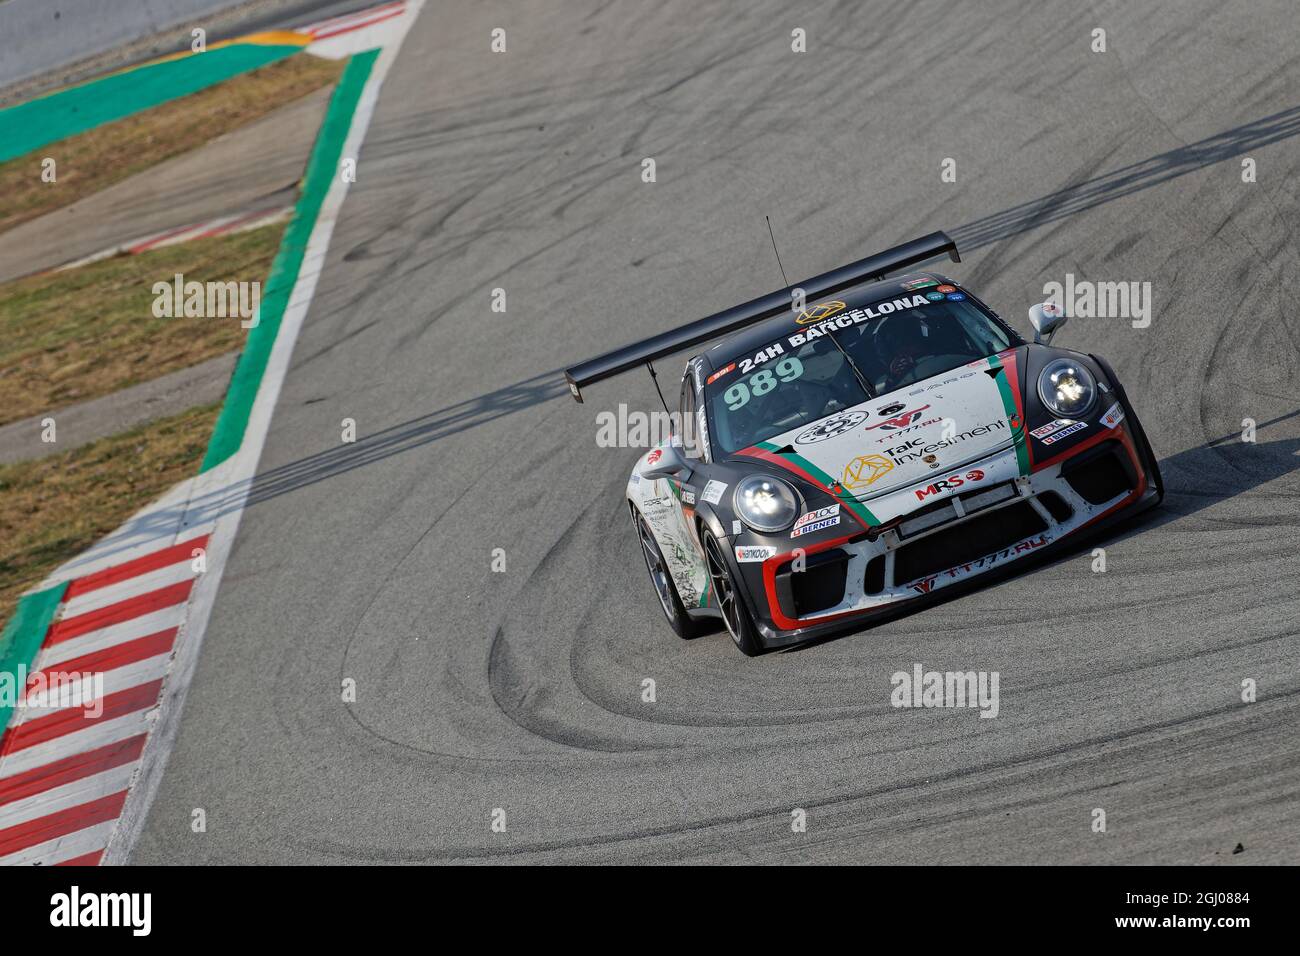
(663, 584)
(735, 613)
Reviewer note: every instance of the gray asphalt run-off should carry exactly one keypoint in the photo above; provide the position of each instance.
(86, 422)
(522, 690)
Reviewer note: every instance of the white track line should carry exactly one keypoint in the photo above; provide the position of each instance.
(229, 482)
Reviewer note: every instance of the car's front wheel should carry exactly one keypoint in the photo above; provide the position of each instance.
(729, 600)
(662, 580)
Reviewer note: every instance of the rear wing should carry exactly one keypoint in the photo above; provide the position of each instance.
(722, 323)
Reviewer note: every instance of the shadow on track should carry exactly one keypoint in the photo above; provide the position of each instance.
(407, 436)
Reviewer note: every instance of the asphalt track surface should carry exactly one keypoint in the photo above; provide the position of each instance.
(522, 690)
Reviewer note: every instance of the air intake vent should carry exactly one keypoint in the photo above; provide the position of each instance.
(968, 541)
(1100, 475)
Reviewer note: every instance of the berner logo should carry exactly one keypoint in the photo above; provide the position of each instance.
(103, 909)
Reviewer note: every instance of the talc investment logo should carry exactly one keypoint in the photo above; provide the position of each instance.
(818, 312)
(865, 469)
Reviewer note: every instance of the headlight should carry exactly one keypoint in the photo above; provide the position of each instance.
(1067, 388)
(765, 504)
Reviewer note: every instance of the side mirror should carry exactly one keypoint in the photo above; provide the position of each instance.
(669, 464)
(1046, 318)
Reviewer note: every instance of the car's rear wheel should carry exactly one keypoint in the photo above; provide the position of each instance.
(735, 615)
(662, 581)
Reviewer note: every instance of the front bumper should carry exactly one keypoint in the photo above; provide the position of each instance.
(846, 581)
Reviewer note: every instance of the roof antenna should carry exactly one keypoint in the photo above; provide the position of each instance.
(655, 378)
(778, 254)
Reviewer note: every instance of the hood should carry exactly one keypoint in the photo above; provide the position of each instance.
(917, 432)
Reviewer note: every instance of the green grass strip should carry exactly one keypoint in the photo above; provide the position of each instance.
(37, 123)
(20, 641)
(322, 167)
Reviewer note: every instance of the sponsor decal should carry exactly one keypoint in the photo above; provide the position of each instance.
(840, 317)
(919, 284)
(926, 585)
(654, 456)
(818, 312)
(908, 451)
(1113, 417)
(688, 497)
(865, 469)
(899, 421)
(835, 425)
(815, 526)
(893, 435)
(956, 296)
(817, 515)
(713, 492)
(1062, 433)
(659, 511)
(947, 381)
(895, 450)
(893, 409)
(951, 483)
(747, 365)
(844, 320)
(934, 296)
(636, 479)
(747, 554)
(719, 373)
(946, 288)
(1042, 431)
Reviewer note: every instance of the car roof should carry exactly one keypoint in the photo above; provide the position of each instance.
(752, 339)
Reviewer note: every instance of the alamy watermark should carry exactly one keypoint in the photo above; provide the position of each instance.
(1085, 299)
(631, 428)
(192, 299)
(922, 688)
(53, 690)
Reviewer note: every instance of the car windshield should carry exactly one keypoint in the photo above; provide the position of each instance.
(817, 371)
